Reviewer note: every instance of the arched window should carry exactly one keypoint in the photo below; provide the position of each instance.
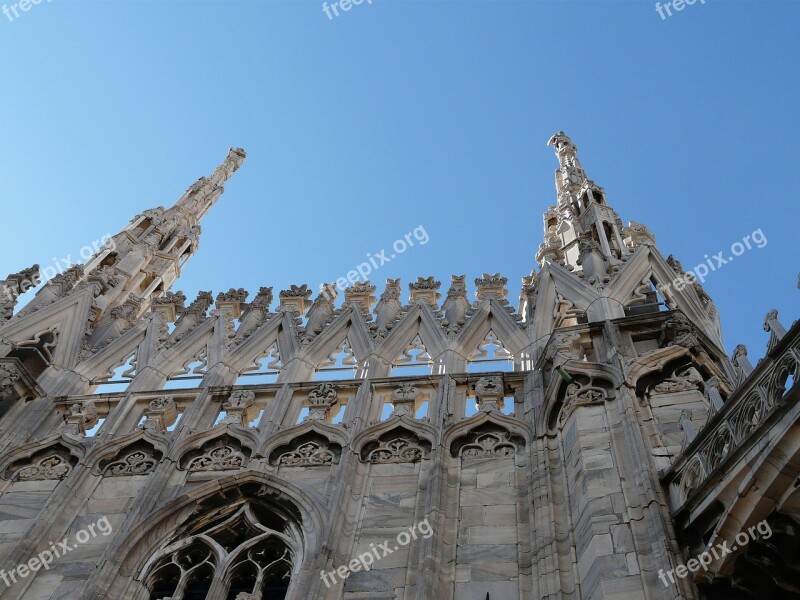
(340, 364)
(414, 360)
(490, 355)
(248, 550)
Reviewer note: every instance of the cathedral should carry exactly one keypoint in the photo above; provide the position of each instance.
(593, 442)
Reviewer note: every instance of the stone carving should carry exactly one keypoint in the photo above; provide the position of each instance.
(295, 299)
(128, 311)
(8, 377)
(204, 192)
(396, 450)
(775, 328)
(564, 347)
(718, 449)
(751, 416)
(741, 364)
(160, 403)
(177, 299)
(263, 299)
(64, 282)
(712, 394)
(637, 234)
(236, 407)
(424, 291)
(578, 395)
(456, 305)
(687, 425)
(102, 280)
(570, 174)
(232, 295)
(489, 392)
(593, 260)
(139, 462)
(218, 458)
(161, 412)
(321, 400)
(253, 316)
(683, 379)
(13, 287)
(675, 265)
(191, 316)
(678, 331)
(81, 417)
(491, 286)
(201, 304)
(51, 467)
(230, 305)
(530, 288)
(550, 250)
(691, 478)
(388, 309)
(491, 444)
(360, 295)
(310, 454)
(404, 400)
(321, 313)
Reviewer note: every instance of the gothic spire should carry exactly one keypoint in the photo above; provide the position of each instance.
(581, 231)
(570, 175)
(143, 260)
(201, 196)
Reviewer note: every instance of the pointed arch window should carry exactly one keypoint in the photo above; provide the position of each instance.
(414, 360)
(490, 355)
(340, 364)
(265, 368)
(36, 354)
(248, 550)
(192, 372)
(118, 379)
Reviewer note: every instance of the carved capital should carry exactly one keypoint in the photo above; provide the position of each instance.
(161, 413)
(489, 392)
(237, 406)
(81, 417)
(321, 400)
(404, 400)
(424, 291)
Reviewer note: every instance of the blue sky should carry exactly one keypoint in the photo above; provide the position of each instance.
(406, 113)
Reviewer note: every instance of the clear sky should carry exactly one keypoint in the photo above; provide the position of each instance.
(402, 113)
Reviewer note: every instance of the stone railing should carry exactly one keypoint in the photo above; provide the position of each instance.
(757, 402)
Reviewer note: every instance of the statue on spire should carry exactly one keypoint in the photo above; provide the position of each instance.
(570, 175)
(562, 143)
